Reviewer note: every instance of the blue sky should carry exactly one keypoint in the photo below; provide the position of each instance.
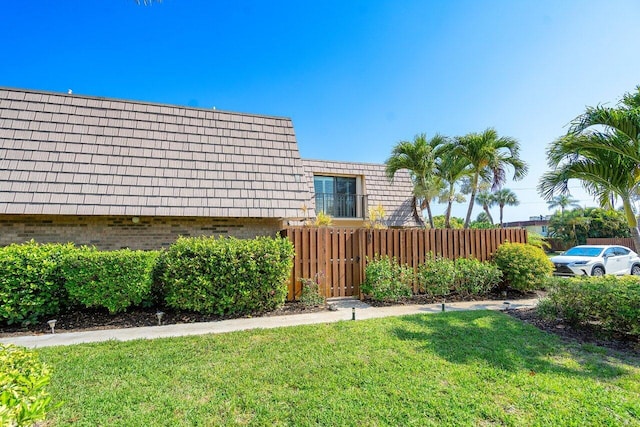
(355, 76)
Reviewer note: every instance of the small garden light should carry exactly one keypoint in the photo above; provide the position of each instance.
(52, 325)
(353, 313)
(159, 315)
(507, 305)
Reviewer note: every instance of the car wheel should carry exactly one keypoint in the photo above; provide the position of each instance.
(597, 271)
(635, 270)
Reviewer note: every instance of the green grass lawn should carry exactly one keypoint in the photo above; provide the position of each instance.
(465, 368)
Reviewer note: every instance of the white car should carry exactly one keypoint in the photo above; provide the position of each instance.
(596, 260)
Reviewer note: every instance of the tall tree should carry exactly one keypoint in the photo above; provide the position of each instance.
(594, 133)
(489, 156)
(451, 170)
(486, 199)
(562, 201)
(602, 171)
(505, 197)
(419, 158)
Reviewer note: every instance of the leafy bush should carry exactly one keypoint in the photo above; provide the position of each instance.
(23, 379)
(323, 220)
(538, 240)
(387, 280)
(524, 267)
(613, 302)
(114, 280)
(475, 277)
(436, 276)
(226, 275)
(311, 294)
(30, 284)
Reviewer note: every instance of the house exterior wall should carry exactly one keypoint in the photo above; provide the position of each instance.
(394, 196)
(117, 232)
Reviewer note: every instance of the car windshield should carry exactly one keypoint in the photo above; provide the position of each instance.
(584, 251)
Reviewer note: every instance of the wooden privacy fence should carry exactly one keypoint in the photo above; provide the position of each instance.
(623, 241)
(337, 256)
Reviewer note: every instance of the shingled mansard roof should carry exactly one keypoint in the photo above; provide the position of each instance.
(82, 155)
(394, 196)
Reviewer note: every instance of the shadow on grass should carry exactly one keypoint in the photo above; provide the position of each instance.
(497, 340)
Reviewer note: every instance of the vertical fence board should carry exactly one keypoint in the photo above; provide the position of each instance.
(348, 262)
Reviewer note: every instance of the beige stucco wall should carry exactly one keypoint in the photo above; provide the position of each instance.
(116, 232)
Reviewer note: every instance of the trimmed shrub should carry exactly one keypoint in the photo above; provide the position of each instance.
(30, 283)
(226, 276)
(475, 277)
(115, 280)
(23, 379)
(614, 302)
(524, 267)
(311, 294)
(436, 277)
(387, 280)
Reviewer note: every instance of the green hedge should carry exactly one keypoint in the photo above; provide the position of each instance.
(474, 277)
(115, 280)
(226, 276)
(436, 276)
(387, 279)
(524, 267)
(30, 283)
(23, 379)
(613, 302)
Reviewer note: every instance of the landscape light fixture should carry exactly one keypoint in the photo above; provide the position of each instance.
(159, 315)
(52, 325)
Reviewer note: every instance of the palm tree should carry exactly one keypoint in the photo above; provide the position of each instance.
(562, 201)
(451, 170)
(505, 197)
(486, 200)
(616, 129)
(488, 157)
(623, 119)
(419, 158)
(603, 172)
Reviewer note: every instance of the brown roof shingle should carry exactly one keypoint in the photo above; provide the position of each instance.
(69, 154)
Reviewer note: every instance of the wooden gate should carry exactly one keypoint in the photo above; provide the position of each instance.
(329, 255)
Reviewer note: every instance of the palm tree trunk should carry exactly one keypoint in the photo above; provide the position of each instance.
(501, 208)
(474, 190)
(447, 214)
(633, 222)
(416, 216)
(428, 206)
(486, 210)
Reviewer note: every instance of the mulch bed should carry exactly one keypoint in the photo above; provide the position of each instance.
(91, 320)
(87, 320)
(591, 334)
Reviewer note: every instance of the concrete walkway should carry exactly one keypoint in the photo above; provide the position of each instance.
(344, 311)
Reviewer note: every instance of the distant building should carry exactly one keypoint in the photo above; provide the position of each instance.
(535, 224)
